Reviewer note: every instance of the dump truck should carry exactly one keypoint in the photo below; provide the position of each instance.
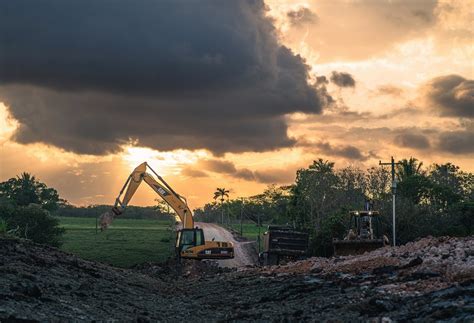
(361, 236)
(283, 243)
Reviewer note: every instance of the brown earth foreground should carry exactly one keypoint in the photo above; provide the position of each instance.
(429, 280)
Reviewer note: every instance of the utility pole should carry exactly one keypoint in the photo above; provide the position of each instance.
(222, 213)
(394, 193)
(258, 237)
(241, 216)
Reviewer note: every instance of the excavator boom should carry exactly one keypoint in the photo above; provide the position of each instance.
(174, 200)
(190, 240)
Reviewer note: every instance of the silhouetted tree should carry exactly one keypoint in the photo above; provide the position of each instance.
(434, 201)
(25, 189)
(221, 194)
(24, 210)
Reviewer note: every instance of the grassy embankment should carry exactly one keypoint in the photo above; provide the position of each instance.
(127, 242)
(250, 231)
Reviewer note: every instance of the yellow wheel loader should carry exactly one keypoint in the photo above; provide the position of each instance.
(361, 237)
(190, 241)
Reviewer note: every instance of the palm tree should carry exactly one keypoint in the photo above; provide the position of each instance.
(221, 194)
(413, 182)
(408, 168)
(28, 189)
(322, 166)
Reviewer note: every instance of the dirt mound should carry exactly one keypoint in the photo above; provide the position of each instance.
(40, 283)
(173, 269)
(437, 262)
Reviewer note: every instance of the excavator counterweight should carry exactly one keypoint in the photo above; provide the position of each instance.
(190, 242)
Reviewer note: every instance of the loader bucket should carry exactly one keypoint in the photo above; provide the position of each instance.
(355, 247)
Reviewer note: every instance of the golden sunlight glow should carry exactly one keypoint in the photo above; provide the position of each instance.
(165, 163)
(366, 118)
(7, 124)
(46, 153)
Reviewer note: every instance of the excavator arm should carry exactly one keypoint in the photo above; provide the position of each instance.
(190, 242)
(159, 185)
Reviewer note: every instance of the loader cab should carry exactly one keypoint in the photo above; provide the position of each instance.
(187, 238)
(366, 224)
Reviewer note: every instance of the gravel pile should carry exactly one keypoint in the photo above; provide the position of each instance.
(418, 267)
(452, 258)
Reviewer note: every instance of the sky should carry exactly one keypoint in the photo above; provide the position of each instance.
(234, 94)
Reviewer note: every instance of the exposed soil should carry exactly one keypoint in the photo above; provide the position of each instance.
(418, 282)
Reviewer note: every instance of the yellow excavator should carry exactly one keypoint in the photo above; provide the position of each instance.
(190, 242)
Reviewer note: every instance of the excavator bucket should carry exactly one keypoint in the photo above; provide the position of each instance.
(105, 220)
(356, 247)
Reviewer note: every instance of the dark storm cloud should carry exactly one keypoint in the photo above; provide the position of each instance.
(410, 140)
(245, 174)
(342, 79)
(451, 95)
(346, 151)
(218, 166)
(272, 176)
(321, 80)
(225, 167)
(457, 142)
(190, 172)
(89, 76)
(301, 17)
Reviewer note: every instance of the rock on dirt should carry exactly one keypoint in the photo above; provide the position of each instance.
(429, 280)
(436, 262)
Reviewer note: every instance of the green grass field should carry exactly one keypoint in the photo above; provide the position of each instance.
(250, 231)
(126, 242)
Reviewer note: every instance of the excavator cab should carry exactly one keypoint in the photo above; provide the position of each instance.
(190, 243)
(187, 238)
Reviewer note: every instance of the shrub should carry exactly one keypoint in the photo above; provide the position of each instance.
(35, 223)
(3, 227)
(334, 226)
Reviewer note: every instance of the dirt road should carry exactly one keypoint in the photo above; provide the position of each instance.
(245, 253)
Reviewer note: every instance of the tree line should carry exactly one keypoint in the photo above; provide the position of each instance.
(434, 200)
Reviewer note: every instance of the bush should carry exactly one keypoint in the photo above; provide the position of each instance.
(334, 226)
(35, 223)
(3, 227)
(25, 204)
